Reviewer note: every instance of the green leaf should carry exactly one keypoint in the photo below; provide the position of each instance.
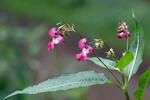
(108, 62)
(142, 83)
(124, 61)
(65, 82)
(136, 49)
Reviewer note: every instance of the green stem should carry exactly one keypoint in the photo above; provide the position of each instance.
(104, 64)
(109, 70)
(110, 82)
(123, 79)
(126, 94)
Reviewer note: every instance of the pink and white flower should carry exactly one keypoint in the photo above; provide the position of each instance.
(81, 56)
(82, 43)
(52, 32)
(57, 38)
(123, 31)
(51, 46)
(86, 49)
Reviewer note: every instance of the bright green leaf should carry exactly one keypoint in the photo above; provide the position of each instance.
(108, 62)
(136, 49)
(65, 82)
(124, 61)
(142, 83)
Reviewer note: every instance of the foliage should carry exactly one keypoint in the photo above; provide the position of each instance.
(124, 61)
(142, 82)
(136, 49)
(65, 82)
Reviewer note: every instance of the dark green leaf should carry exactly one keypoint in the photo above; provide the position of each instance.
(142, 82)
(65, 82)
(108, 62)
(136, 49)
(124, 61)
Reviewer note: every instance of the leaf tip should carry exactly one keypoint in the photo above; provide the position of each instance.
(133, 14)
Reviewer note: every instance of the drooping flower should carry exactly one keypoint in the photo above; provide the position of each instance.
(58, 39)
(121, 35)
(82, 43)
(51, 46)
(81, 56)
(52, 32)
(123, 31)
(57, 35)
(127, 34)
(86, 49)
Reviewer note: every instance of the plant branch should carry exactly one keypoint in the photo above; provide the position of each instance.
(126, 94)
(109, 70)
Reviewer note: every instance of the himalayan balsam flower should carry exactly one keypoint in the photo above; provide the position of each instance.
(57, 37)
(86, 49)
(123, 31)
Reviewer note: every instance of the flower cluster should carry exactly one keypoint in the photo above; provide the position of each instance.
(123, 31)
(86, 49)
(57, 34)
(57, 37)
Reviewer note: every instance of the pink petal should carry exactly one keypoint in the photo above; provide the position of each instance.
(91, 50)
(81, 57)
(127, 34)
(121, 35)
(88, 50)
(51, 46)
(52, 32)
(58, 39)
(82, 42)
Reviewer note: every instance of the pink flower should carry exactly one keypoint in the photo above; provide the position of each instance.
(52, 32)
(51, 46)
(81, 56)
(123, 31)
(86, 49)
(121, 35)
(127, 34)
(82, 43)
(58, 39)
(90, 49)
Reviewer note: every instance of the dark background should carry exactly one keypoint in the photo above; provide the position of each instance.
(25, 60)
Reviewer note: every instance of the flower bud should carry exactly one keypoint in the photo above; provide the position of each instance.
(110, 53)
(99, 43)
(122, 27)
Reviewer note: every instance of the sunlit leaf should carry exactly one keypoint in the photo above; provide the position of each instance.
(142, 82)
(124, 60)
(65, 82)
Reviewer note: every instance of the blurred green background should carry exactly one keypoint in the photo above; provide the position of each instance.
(25, 60)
